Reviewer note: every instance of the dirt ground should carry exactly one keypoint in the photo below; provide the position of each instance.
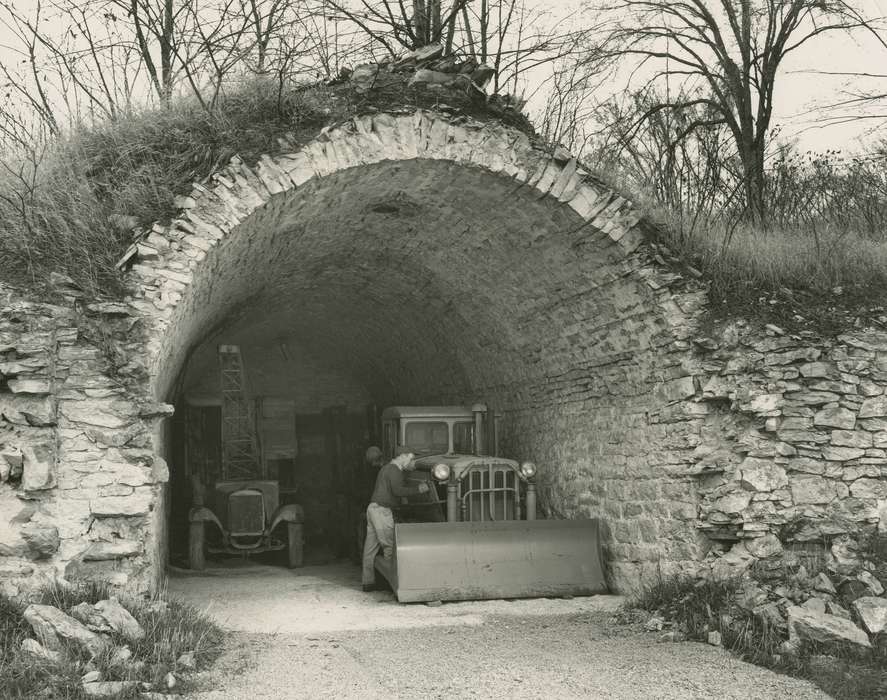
(312, 633)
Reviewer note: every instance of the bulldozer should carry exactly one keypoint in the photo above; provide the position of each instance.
(475, 534)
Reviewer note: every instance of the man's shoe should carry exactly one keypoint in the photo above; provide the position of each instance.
(370, 587)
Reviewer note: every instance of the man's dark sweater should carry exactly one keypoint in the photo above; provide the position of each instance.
(391, 486)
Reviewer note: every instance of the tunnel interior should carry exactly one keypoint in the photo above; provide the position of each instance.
(410, 282)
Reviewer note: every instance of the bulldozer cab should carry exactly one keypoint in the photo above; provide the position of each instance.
(430, 430)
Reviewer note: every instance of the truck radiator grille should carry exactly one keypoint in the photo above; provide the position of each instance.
(246, 512)
(490, 492)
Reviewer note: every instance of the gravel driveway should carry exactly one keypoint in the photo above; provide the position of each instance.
(313, 634)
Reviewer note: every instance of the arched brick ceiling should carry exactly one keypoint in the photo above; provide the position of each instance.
(420, 278)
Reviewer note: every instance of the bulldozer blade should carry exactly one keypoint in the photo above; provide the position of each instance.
(504, 559)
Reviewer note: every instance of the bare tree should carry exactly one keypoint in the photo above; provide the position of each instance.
(725, 56)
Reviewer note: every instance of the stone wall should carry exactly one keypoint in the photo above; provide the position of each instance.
(428, 259)
(795, 452)
(79, 472)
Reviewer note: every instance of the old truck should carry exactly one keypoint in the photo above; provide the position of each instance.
(475, 533)
(244, 517)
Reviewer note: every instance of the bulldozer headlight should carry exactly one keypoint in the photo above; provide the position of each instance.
(441, 472)
(528, 470)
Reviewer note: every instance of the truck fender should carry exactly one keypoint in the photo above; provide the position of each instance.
(202, 514)
(289, 513)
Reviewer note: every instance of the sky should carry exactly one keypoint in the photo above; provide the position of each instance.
(802, 86)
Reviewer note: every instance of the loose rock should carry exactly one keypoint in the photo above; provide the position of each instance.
(873, 613)
(821, 628)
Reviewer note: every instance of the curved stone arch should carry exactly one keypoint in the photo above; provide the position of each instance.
(588, 414)
(171, 255)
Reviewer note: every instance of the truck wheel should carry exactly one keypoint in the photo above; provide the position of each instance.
(196, 557)
(294, 545)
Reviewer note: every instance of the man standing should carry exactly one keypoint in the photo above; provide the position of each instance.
(390, 487)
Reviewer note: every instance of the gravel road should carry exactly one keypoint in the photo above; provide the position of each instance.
(314, 635)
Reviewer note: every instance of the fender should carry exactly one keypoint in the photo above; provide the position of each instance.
(289, 513)
(202, 514)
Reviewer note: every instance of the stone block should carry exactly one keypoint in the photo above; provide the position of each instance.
(869, 488)
(822, 628)
(110, 551)
(872, 611)
(42, 540)
(811, 490)
(852, 438)
(815, 369)
(836, 417)
(873, 407)
(38, 466)
(25, 409)
(761, 475)
(30, 386)
(100, 413)
(51, 626)
(841, 454)
(113, 506)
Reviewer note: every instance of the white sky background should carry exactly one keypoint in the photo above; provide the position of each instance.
(800, 89)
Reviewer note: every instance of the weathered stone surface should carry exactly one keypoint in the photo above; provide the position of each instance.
(812, 489)
(766, 403)
(120, 619)
(89, 616)
(24, 409)
(841, 454)
(733, 503)
(34, 649)
(38, 466)
(873, 584)
(761, 475)
(814, 604)
(873, 407)
(869, 488)
(836, 417)
(111, 506)
(852, 438)
(108, 551)
(822, 628)
(51, 626)
(872, 612)
(824, 584)
(107, 689)
(764, 547)
(30, 386)
(104, 414)
(42, 540)
(12, 544)
(815, 369)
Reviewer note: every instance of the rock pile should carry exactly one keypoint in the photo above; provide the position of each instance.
(427, 68)
(90, 630)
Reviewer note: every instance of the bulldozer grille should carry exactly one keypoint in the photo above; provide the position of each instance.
(246, 512)
(490, 493)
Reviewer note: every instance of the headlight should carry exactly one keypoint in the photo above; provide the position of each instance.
(528, 470)
(441, 472)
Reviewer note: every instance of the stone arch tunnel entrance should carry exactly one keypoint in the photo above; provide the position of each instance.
(415, 260)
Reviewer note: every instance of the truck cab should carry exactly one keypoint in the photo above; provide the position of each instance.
(457, 453)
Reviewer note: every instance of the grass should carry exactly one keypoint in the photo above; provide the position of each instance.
(790, 276)
(169, 631)
(695, 607)
(73, 212)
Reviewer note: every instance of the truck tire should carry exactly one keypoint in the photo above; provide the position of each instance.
(196, 557)
(295, 546)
